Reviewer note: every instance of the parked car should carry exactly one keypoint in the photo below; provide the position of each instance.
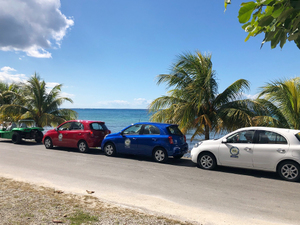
(23, 129)
(159, 140)
(81, 134)
(260, 148)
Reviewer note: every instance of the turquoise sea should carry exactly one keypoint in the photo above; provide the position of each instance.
(117, 119)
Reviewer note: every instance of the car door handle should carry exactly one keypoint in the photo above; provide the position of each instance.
(133, 138)
(281, 150)
(153, 139)
(247, 149)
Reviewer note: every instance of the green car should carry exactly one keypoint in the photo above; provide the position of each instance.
(22, 130)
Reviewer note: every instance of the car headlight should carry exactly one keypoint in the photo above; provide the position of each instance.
(198, 144)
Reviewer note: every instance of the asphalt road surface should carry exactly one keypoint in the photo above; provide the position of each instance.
(177, 188)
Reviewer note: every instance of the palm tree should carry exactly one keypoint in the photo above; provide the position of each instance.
(8, 95)
(282, 100)
(35, 103)
(194, 102)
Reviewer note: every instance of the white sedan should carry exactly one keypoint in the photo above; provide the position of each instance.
(260, 148)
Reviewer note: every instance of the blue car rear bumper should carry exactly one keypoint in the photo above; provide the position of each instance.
(178, 150)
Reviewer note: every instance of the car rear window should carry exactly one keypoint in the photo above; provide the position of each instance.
(98, 126)
(174, 130)
(298, 136)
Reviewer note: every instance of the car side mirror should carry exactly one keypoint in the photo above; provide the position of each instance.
(224, 140)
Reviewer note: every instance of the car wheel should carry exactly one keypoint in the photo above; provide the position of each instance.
(177, 156)
(38, 137)
(207, 161)
(160, 155)
(289, 171)
(109, 149)
(16, 138)
(48, 143)
(83, 147)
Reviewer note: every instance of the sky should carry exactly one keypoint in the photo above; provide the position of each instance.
(108, 53)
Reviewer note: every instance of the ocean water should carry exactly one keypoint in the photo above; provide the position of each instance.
(117, 119)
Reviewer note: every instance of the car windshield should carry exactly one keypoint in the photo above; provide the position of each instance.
(174, 130)
(135, 129)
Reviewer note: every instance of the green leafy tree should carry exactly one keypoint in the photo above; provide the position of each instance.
(8, 95)
(36, 103)
(194, 102)
(281, 99)
(279, 20)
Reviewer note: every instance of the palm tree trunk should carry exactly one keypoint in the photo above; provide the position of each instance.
(206, 132)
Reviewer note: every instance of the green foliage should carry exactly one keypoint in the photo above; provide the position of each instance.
(279, 20)
(282, 97)
(81, 217)
(194, 102)
(31, 100)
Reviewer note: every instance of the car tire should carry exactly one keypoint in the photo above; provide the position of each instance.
(110, 149)
(48, 143)
(207, 161)
(16, 138)
(289, 171)
(177, 156)
(160, 155)
(38, 137)
(83, 147)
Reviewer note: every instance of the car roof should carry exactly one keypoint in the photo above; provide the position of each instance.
(86, 121)
(274, 129)
(157, 124)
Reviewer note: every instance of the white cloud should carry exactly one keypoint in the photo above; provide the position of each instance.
(142, 101)
(248, 96)
(7, 77)
(136, 103)
(66, 95)
(51, 84)
(32, 26)
(113, 103)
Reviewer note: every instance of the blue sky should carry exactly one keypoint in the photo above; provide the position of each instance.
(107, 53)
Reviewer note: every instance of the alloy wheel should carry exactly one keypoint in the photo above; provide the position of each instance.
(289, 171)
(159, 155)
(206, 161)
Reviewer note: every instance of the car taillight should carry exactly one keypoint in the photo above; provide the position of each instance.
(171, 140)
(91, 133)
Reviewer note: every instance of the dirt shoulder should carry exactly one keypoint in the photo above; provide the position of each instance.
(24, 203)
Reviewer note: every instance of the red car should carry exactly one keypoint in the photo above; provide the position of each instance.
(81, 134)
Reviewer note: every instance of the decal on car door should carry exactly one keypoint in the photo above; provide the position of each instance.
(60, 136)
(234, 151)
(127, 143)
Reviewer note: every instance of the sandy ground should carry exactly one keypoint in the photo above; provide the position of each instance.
(159, 206)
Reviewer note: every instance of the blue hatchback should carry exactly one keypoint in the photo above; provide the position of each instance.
(159, 140)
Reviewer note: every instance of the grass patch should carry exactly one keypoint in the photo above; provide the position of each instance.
(26, 204)
(81, 217)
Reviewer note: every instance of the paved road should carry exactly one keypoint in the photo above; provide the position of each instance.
(177, 188)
